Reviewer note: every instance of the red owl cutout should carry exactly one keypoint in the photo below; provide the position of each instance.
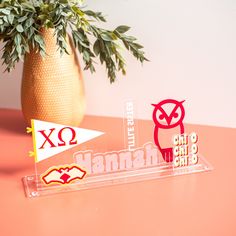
(164, 121)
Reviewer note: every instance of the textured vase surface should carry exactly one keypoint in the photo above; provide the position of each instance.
(52, 87)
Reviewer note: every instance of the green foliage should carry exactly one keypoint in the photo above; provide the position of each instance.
(21, 22)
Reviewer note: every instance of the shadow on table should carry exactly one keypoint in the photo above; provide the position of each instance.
(12, 121)
(12, 170)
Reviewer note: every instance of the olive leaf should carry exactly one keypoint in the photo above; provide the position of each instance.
(122, 29)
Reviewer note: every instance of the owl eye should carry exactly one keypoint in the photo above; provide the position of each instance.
(161, 117)
(175, 115)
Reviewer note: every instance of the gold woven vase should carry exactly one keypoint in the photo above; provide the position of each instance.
(52, 88)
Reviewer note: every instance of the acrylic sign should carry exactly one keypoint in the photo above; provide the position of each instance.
(71, 158)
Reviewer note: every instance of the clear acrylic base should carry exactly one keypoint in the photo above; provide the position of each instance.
(34, 187)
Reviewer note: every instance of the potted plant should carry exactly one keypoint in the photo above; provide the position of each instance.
(45, 34)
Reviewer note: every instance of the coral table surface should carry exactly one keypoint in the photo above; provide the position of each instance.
(191, 205)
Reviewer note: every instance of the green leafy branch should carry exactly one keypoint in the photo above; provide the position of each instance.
(21, 22)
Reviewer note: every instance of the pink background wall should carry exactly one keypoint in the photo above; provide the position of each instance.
(191, 45)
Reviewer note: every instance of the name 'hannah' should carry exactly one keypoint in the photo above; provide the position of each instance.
(117, 161)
